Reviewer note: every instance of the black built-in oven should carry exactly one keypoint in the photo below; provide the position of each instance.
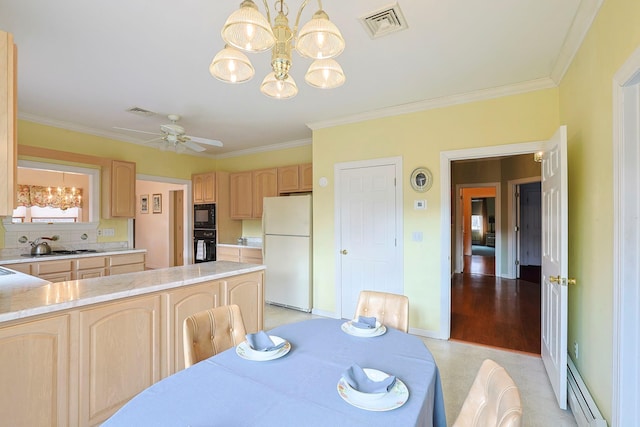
(204, 216)
(204, 245)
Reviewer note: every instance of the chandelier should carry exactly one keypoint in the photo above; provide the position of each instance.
(248, 30)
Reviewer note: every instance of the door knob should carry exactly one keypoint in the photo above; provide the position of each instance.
(343, 252)
(571, 281)
(554, 279)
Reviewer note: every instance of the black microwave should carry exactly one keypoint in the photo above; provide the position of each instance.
(204, 216)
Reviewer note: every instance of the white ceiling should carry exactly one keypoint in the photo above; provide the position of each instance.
(82, 64)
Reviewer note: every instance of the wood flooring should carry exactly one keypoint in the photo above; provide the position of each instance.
(497, 312)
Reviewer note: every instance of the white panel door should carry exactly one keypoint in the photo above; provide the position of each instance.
(554, 263)
(368, 238)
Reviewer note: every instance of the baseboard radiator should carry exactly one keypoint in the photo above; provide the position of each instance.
(581, 403)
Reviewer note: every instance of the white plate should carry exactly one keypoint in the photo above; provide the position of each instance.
(395, 398)
(245, 351)
(348, 328)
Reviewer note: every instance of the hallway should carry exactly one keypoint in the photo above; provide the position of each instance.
(497, 312)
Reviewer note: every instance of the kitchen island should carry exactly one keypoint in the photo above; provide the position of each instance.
(73, 352)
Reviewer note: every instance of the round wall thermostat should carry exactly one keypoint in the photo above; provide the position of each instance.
(421, 179)
(323, 182)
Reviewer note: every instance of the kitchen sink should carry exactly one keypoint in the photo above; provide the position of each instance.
(4, 272)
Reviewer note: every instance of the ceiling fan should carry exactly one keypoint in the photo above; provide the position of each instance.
(172, 136)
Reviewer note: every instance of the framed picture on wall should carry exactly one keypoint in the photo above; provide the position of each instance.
(144, 204)
(157, 203)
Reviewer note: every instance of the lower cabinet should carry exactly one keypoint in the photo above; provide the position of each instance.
(181, 304)
(35, 373)
(120, 350)
(78, 367)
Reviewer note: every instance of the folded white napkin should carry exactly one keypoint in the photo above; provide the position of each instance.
(359, 380)
(261, 341)
(365, 322)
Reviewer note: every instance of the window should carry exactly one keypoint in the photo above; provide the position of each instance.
(476, 222)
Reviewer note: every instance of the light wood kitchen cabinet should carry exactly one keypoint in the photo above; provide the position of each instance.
(241, 197)
(53, 271)
(295, 178)
(126, 263)
(239, 254)
(119, 189)
(35, 373)
(251, 255)
(119, 355)
(183, 303)
(204, 187)
(247, 292)
(8, 123)
(87, 268)
(213, 187)
(23, 267)
(265, 184)
(249, 188)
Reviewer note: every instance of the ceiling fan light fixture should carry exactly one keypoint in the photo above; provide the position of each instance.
(247, 29)
(231, 66)
(320, 38)
(325, 74)
(278, 89)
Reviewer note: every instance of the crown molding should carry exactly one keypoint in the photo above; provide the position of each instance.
(96, 132)
(446, 101)
(265, 148)
(585, 15)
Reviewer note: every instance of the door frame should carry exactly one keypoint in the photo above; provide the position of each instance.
(188, 203)
(446, 157)
(399, 258)
(512, 221)
(459, 255)
(626, 244)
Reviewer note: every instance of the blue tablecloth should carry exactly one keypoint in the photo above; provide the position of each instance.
(298, 389)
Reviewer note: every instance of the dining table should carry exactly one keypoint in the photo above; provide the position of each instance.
(302, 386)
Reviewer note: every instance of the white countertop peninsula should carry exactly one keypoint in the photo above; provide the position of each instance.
(23, 296)
(88, 346)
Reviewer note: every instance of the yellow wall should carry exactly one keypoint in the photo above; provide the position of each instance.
(418, 138)
(586, 108)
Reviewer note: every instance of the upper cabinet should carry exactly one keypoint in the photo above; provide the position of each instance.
(214, 187)
(204, 187)
(265, 184)
(8, 123)
(248, 189)
(295, 178)
(119, 189)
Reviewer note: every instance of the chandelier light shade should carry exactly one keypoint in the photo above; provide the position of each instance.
(279, 89)
(231, 66)
(320, 38)
(248, 29)
(325, 74)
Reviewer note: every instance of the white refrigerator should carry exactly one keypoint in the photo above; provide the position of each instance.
(286, 228)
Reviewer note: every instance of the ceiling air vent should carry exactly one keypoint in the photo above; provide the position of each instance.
(140, 111)
(384, 21)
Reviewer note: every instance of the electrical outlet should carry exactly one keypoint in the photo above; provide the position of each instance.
(109, 232)
(99, 231)
(575, 349)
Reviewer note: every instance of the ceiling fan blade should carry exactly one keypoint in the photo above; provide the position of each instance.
(193, 146)
(138, 131)
(205, 141)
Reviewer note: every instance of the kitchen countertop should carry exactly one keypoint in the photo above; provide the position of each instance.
(16, 259)
(235, 245)
(23, 296)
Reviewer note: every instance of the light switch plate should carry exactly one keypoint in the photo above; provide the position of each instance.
(419, 204)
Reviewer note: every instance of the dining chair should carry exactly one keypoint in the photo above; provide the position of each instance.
(211, 331)
(390, 309)
(493, 400)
